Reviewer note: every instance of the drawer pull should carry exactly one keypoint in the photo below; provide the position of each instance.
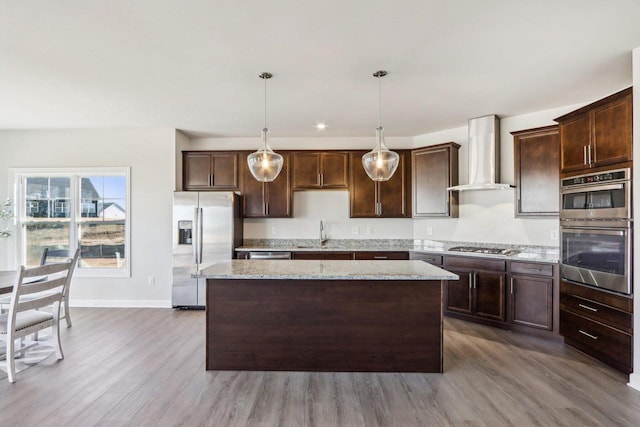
(380, 257)
(588, 334)
(586, 307)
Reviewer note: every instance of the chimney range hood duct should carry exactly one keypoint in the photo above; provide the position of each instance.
(484, 155)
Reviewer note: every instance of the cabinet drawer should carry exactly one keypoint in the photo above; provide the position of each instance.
(602, 342)
(606, 298)
(476, 263)
(381, 255)
(532, 268)
(431, 259)
(598, 312)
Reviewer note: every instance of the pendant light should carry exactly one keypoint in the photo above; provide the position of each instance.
(380, 163)
(265, 164)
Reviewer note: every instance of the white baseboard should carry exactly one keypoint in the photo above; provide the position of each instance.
(634, 381)
(121, 303)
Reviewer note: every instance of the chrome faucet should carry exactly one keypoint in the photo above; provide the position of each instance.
(323, 236)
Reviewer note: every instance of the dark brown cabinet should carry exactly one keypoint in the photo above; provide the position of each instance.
(324, 256)
(537, 171)
(387, 199)
(320, 170)
(433, 170)
(204, 170)
(267, 199)
(381, 255)
(480, 292)
(599, 134)
(531, 295)
(598, 323)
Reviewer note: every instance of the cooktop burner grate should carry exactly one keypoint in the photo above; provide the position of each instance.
(481, 250)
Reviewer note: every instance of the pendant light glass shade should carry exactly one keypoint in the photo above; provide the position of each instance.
(380, 163)
(265, 164)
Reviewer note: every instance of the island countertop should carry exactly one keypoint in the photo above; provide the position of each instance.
(326, 270)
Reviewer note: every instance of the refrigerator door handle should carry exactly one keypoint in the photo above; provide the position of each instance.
(196, 235)
(200, 234)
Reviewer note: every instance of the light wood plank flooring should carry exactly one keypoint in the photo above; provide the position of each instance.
(140, 367)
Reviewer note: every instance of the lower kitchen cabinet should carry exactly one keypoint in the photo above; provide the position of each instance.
(381, 255)
(480, 292)
(531, 294)
(598, 323)
(324, 256)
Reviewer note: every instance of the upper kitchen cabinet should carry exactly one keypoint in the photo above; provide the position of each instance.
(210, 170)
(385, 199)
(434, 169)
(267, 199)
(320, 170)
(597, 135)
(537, 159)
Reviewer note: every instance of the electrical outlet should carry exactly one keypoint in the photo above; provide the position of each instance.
(554, 234)
(273, 231)
(355, 230)
(429, 231)
(369, 230)
(151, 281)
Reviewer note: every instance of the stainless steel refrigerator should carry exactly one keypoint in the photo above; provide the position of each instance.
(206, 229)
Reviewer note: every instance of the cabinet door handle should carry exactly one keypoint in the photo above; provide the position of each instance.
(589, 153)
(512, 286)
(470, 280)
(213, 180)
(584, 155)
(593, 337)
(319, 180)
(586, 307)
(266, 208)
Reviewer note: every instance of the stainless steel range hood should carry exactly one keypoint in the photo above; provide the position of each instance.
(484, 155)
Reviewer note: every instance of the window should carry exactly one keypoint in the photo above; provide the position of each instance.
(84, 209)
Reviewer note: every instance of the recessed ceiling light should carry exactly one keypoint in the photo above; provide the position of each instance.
(321, 126)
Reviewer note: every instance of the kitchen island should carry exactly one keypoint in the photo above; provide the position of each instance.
(383, 316)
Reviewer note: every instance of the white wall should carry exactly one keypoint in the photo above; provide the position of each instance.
(634, 378)
(488, 216)
(150, 154)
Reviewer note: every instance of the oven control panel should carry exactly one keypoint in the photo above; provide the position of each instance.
(602, 177)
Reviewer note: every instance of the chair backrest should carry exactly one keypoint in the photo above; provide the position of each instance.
(35, 281)
(50, 256)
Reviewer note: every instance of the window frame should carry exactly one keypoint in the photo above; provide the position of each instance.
(18, 176)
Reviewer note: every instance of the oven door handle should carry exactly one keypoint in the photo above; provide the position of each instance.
(596, 230)
(591, 188)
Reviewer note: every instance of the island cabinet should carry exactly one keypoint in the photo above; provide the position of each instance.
(480, 292)
(267, 199)
(210, 170)
(385, 199)
(598, 323)
(597, 135)
(537, 171)
(530, 294)
(320, 170)
(433, 170)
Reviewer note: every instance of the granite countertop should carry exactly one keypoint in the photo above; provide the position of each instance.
(545, 254)
(326, 270)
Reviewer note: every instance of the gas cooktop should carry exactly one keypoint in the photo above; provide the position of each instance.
(481, 250)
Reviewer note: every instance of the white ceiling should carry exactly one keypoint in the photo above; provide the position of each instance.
(194, 64)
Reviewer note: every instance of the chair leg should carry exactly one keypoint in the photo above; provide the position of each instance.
(11, 361)
(56, 338)
(67, 317)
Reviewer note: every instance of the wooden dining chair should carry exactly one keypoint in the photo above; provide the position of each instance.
(50, 256)
(35, 288)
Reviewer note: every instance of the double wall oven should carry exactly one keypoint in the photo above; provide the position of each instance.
(596, 230)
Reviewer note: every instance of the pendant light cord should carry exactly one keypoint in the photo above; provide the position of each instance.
(265, 102)
(379, 103)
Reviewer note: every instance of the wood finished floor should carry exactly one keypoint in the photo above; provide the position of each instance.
(139, 367)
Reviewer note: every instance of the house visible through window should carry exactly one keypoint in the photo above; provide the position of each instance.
(85, 209)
